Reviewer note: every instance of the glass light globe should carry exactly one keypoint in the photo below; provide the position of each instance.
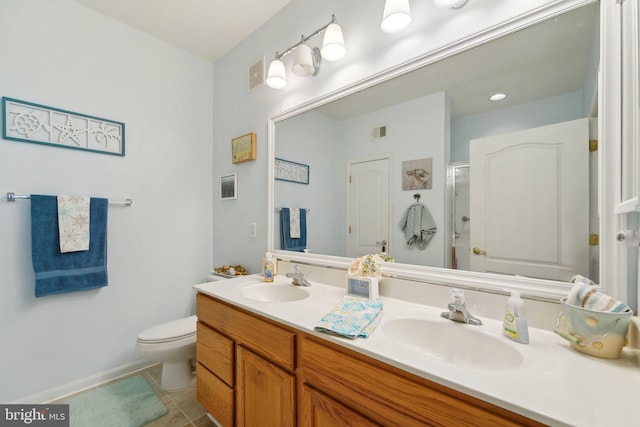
(277, 76)
(333, 43)
(396, 16)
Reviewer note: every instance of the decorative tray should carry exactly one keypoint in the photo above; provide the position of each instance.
(230, 271)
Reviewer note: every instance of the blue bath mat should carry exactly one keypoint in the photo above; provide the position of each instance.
(126, 403)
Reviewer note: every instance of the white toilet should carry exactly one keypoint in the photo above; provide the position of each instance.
(174, 344)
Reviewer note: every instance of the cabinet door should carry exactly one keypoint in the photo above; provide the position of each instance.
(265, 393)
(215, 396)
(319, 410)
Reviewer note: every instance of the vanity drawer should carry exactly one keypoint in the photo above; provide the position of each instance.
(387, 394)
(215, 351)
(215, 396)
(275, 343)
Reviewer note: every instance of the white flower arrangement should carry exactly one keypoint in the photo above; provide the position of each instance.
(369, 265)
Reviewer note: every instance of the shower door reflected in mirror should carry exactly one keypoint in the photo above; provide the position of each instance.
(460, 234)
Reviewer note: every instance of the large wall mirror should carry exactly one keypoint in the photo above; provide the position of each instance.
(506, 187)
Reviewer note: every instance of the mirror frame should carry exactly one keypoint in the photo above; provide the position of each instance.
(546, 290)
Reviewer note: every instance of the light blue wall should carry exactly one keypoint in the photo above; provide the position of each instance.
(61, 54)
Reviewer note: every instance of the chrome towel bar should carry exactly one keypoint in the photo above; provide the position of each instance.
(11, 197)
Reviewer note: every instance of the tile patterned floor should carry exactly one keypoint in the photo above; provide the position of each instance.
(184, 409)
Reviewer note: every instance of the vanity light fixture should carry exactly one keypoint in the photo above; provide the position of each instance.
(306, 59)
(397, 13)
(498, 96)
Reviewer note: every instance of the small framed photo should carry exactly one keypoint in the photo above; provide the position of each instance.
(229, 186)
(243, 148)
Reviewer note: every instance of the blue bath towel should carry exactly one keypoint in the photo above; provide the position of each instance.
(288, 243)
(58, 272)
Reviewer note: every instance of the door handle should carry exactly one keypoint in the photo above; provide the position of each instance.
(479, 251)
(381, 242)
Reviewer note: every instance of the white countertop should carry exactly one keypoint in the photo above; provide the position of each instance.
(554, 384)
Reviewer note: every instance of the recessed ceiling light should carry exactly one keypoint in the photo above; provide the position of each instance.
(498, 96)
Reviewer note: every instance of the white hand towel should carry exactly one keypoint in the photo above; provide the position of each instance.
(294, 223)
(73, 223)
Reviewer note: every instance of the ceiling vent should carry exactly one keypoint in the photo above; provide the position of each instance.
(256, 75)
(379, 132)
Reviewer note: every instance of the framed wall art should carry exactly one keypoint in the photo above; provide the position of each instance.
(285, 170)
(28, 122)
(243, 148)
(229, 186)
(416, 174)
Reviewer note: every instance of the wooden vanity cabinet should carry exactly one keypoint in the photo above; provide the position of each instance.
(245, 371)
(383, 394)
(256, 372)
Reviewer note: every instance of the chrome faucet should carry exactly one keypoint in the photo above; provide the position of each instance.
(458, 310)
(298, 277)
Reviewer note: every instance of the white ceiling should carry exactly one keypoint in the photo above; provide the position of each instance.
(207, 28)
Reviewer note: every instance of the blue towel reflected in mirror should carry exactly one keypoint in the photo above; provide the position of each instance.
(286, 241)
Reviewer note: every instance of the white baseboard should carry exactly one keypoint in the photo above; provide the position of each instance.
(65, 390)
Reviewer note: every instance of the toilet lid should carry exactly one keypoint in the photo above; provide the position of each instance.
(169, 331)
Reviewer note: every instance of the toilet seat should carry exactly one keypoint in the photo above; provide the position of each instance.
(174, 330)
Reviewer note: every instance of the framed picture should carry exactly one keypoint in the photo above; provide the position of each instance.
(28, 122)
(243, 148)
(416, 174)
(229, 186)
(284, 170)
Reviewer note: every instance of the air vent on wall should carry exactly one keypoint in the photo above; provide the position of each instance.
(379, 132)
(256, 75)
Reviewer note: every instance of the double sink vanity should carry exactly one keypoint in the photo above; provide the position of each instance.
(259, 358)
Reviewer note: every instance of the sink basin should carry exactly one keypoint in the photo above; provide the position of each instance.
(456, 343)
(271, 292)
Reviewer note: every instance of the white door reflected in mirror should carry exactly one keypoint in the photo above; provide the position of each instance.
(530, 200)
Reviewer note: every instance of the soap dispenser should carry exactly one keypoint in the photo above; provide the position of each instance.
(515, 325)
(268, 267)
